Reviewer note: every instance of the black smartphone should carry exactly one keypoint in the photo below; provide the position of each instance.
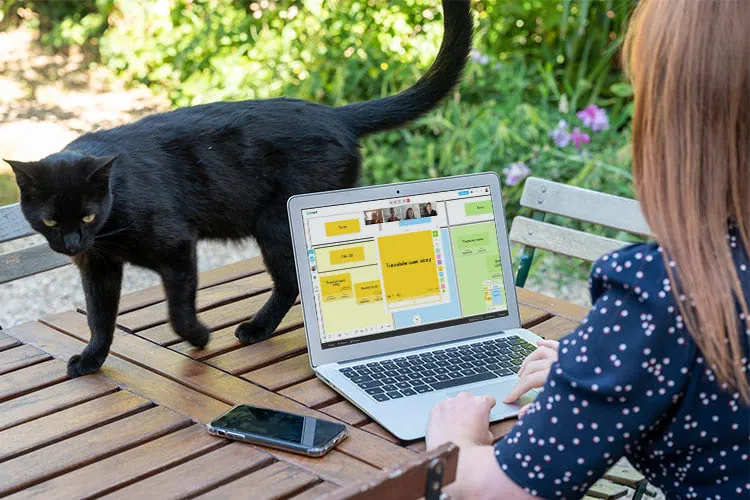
(278, 429)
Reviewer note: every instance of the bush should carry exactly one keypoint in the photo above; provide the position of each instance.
(536, 62)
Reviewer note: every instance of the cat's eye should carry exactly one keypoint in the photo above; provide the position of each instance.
(49, 222)
(88, 218)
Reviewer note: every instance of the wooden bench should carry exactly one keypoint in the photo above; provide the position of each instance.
(545, 198)
(29, 261)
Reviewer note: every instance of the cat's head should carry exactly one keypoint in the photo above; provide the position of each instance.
(66, 197)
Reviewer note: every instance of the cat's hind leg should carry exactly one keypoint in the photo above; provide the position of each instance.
(180, 279)
(274, 239)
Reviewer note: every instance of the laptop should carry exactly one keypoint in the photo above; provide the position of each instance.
(408, 296)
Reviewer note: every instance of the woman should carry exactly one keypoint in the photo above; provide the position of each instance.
(658, 371)
(409, 214)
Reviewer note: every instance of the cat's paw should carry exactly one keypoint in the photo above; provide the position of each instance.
(79, 365)
(252, 333)
(197, 336)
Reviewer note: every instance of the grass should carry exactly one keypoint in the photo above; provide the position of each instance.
(8, 190)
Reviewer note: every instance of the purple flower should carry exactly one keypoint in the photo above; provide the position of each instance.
(478, 57)
(515, 173)
(560, 134)
(579, 138)
(594, 117)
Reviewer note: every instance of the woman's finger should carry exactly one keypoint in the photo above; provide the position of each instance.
(523, 410)
(540, 353)
(525, 385)
(552, 344)
(537, 366)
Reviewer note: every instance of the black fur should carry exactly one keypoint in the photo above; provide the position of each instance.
(218, 171)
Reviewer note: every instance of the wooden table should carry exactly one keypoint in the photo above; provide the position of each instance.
(135, 428)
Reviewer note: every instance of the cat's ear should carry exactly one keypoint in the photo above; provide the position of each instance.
(100, 168)
(24, 172)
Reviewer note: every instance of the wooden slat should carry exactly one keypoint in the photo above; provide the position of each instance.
(531, 315)
(164, 391)
(607, 489)
(13, 224)
(214, 319)
(361, 448)
(555, 328)
(282, 374)
(278, 480)
(7, 342)
(83, 449)
(379, 430)
(213, 277)
(206, 298)
(347, 412)
(29, 261)
(555, 307)
(205, 472)
(34, 377)
(312, 393)
(584, 205)
(624, 473)
(124, 468)
(318, 491)
(562, 240)
(223, 340)
(407, 480)
(21, 357)
(58, 426)
(261, 354)
(55, 398)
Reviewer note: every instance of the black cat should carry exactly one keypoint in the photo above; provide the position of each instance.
(146, 192)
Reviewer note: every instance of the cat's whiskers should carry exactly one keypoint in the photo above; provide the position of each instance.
(110, 233)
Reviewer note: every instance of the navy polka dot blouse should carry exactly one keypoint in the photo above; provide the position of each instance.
(631, 382)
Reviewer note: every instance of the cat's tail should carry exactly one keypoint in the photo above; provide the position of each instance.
(390, 112)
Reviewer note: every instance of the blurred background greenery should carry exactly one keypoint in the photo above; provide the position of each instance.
(536, 62)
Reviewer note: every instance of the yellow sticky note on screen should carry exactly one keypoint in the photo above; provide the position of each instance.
(408, 266)
(339, 227)
(347, 255)
(368, 291)
(336, 287)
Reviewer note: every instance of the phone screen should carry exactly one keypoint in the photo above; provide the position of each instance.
(294, 429)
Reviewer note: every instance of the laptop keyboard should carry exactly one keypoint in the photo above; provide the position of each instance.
(440, 369)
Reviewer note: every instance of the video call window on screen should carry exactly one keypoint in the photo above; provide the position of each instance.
(402, 265)
(401, 212)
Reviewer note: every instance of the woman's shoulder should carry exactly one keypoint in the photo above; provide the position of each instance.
(639, 269)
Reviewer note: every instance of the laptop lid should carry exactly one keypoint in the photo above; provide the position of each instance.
(390, 268)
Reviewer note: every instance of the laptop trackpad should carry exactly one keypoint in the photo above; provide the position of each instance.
(499, 391)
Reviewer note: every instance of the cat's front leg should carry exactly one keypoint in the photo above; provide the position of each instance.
(102, 279)
(180, 279)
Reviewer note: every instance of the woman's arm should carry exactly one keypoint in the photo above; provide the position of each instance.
(463, 420)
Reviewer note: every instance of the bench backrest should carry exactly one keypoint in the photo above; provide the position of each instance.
(548, 197)
(29, 261)
(424, 476)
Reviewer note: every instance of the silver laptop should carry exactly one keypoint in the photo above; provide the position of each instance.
(408, 296)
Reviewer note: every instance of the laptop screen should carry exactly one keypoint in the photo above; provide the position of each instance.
(403, 265)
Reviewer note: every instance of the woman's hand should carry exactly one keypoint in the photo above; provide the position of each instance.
(534, 371)
(463, 420)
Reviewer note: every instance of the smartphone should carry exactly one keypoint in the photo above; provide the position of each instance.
(278, 429)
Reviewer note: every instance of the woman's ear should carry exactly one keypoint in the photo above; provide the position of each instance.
(24, 172)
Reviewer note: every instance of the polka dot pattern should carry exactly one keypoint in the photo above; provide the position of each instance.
(631, 382)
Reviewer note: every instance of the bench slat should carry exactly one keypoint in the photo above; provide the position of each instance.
(562, 240)
(29, 261)
(13, 224)
(584, 205)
